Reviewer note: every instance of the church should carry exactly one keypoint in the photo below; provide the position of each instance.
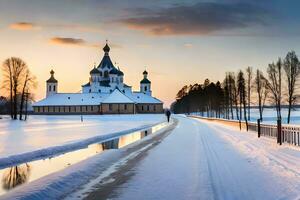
(105, 93)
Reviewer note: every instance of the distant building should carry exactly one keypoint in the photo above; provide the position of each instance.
(105, 93)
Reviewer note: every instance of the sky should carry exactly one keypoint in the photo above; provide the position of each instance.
(177, 42)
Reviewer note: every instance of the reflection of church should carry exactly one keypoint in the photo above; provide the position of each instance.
(105, 93)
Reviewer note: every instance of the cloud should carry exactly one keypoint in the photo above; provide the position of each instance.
(188, 45)
(199, 19)
(79, 42)
(67, 41)
(25, 26)
(22, 26)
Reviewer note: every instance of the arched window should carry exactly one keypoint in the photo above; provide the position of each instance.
(54, 88)
(105, 74)
(100, 73)
(145, 88)
(49, 88)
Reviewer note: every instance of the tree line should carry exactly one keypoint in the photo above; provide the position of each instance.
(239, 91)
(17, 83)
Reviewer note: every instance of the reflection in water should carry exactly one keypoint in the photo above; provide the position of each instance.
(15, 176)
(112, 144)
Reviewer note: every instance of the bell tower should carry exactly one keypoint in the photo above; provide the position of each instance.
(51, 85)
(145, 84)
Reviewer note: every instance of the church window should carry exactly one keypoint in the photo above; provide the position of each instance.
(112, 79)
(154, 108)
(49, 88)
(125, 107)
(105, 74)
(100, 73)
(145, 88)
(110, 107)
(148, 107)
(54, 88)
(142, 107)
(90, 90)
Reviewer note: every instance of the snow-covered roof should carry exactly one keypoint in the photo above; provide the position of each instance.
(140, 97)
(117, 97)
(85, 99)
(70, 99)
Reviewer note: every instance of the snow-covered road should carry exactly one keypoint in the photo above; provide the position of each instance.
(204, 160)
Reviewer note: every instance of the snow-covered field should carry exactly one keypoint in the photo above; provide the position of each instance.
(269, 115)
(206, 160)
(198, 160)
(41, 132)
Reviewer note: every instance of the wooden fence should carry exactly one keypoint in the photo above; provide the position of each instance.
(287, 133)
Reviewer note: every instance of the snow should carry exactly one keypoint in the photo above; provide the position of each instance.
(60, 184)
(70, 99)
(86, 99)
(117, 97)
(198, 160)
(39, 132)
(140, 97)
(203, 160)
(270, 117)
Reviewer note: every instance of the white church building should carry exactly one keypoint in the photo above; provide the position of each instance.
(105, 93)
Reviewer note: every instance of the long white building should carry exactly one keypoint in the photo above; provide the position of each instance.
(105, 93)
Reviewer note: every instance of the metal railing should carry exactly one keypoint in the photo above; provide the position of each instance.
(287, 133)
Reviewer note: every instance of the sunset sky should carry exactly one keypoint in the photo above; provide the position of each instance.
(178, 42)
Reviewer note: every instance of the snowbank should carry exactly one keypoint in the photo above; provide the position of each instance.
(40, 132)
(60, 184)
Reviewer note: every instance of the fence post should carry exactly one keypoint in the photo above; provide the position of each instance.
(279, 131)
(258, 128)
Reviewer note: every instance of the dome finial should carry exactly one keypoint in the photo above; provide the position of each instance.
(106, 48)
(52, 72)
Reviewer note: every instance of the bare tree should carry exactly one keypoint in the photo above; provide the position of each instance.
(242, 94)
(17, 79)
(7, 82)
(291, 67)
(28, 84)
(274, 85)
(262, 91)
(249, 73)
(234, 93)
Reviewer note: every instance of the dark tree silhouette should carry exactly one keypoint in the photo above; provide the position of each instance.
(262, 92)
(242, 95)
(291, 67)
(249, 72)
(274, 85)
(17, 80)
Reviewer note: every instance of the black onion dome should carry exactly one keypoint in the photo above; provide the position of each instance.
(52, 79)
(106, 48)
(106, 61)
(94, 71)
(145, 80)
